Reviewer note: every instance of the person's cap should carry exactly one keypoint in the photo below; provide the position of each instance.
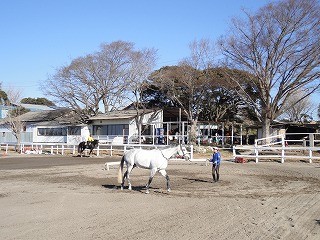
(215, 148)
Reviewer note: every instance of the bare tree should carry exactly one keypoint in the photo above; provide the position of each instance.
(142, 63)
(99, 78)
(201, 59)
(14, 123)
(14, 95)
(298, 111)
(187, 83)
(279, 47)
(12, 120)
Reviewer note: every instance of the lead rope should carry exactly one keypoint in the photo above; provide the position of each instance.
(183, 154)
(164, 157)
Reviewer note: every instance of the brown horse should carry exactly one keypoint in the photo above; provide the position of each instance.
(90, 145)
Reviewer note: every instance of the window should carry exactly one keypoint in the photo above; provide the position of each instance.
(114, 129)
(52, 132)
(73, 130)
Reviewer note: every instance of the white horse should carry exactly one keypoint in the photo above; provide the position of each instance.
(156, 160)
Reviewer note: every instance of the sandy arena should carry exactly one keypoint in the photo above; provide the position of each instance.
(59, 197)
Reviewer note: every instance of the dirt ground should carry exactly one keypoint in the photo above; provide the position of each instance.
(59, 197)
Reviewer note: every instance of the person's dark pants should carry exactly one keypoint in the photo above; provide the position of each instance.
(215, 172)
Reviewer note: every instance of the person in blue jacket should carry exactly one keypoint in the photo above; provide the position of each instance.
(216, 160)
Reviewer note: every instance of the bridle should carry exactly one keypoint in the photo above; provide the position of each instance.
(183, 153)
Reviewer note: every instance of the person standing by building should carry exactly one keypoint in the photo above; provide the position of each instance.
(215, 160)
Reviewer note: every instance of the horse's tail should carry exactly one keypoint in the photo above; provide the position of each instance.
(120, 171)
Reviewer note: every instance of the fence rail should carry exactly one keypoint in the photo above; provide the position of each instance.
(276, 147)
(281, 153)
(58, 148)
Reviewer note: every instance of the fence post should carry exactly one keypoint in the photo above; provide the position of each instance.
(234, 152)
(111, 150)
(282, 155)
(283, 144)
(98, 150)
(52, 150)
(310, 155)
(62, 149)
(256, 151)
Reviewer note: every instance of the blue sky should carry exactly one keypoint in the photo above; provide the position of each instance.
(39, 36)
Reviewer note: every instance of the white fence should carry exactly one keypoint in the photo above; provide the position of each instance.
(276, 147)
(103, 148)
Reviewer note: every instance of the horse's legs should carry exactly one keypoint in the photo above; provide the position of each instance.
(128, 176)
(81, 151)
(164, 173)
(123, 178)
(153, 172)
(91, 149)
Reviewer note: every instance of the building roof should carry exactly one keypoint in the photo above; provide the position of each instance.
(47, 115)
(122, 114)
(35, 107)
(50, 117)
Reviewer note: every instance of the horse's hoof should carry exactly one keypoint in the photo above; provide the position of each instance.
(147, 192)
(130, 188)
(169, 190)
(121, 188)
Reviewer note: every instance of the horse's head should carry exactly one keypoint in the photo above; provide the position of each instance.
(182, 151)
(95, 143)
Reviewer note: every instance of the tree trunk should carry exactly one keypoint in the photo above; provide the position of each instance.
(193, 132)
(247, 136)
(105, 105)
(266, 129)
(139, 131)
(18, 137)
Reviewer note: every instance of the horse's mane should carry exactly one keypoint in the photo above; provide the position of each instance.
(168, 152)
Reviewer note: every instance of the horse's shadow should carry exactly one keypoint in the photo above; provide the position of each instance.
(81, 156)
(110, 186)
(134, 188)
(197, 180)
